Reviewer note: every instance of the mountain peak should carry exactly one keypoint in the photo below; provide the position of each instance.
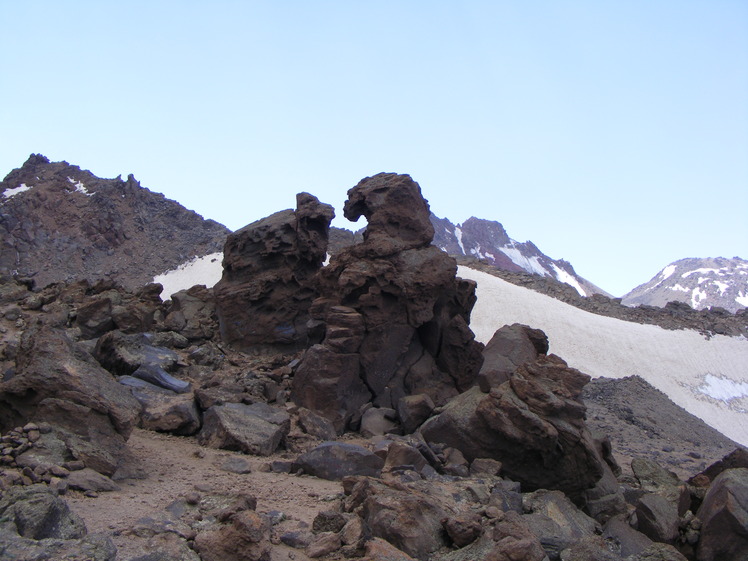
(59, 221)
(699, 282)
(489, 241)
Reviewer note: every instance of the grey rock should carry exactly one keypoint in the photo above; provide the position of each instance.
(36, 513)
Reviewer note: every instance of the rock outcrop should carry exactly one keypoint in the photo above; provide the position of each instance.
(533, 424)
(58, 383)
(269, 267)
(395, 315)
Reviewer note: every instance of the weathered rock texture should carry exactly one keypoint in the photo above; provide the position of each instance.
(724, 514)
(269, 266)
(61, 384)
(533, 423)
(395, 315)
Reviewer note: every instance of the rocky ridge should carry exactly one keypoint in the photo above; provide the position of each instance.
(497, 463)
(488, 241)
(674, 315)
(60, 222)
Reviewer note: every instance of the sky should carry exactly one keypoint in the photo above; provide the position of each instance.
(611, 134)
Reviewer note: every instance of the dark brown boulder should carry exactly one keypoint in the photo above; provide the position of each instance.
(393, 311)
(724, 517)
(269, 266)
(336, 460)
(509, 347)
(533, 424)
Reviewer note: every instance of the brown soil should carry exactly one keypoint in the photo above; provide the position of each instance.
(176, 466)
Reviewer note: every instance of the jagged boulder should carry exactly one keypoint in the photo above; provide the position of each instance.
(724, 516)
(509, 347)
(411, 520)
(269, 266)
(163, 410)
(193, 313)
(395, 316)
(556, 521)
(60, 383)
(533, 424)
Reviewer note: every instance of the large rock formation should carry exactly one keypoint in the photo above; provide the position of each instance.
(268, 270)
(396, 316)
(533, 423)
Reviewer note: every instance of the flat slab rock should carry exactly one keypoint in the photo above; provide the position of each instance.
(253, 429)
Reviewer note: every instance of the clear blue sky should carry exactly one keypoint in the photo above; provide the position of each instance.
(613, 134)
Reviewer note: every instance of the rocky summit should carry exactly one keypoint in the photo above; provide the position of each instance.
(302, 410)
(59, 222)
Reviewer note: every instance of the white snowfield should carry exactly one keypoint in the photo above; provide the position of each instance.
(707, 377)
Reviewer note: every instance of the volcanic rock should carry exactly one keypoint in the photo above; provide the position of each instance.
(269, 267)
(556, 521)
(35, 512)
(509, 347)
(59, 383)
(404, 292)
(533, 424)
(193, 313)
(254, 429)
(336, 460)
(724, 516)
(163, 410)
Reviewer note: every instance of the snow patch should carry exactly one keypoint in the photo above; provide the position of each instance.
(80, 188)
(205, 270)
(696, 297)
(458, 235)
(667, 272)
(680, 288)
(722, 388)
(664, 275)
(704, 270)
(742, 299)
(529, 264)
(722, 287)
(563, 276)
(8, 193)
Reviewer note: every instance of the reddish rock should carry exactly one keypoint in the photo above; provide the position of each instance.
(534, 425)
(269, 267)
(393, 310)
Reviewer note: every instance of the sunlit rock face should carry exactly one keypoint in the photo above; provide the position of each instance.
(394, 313)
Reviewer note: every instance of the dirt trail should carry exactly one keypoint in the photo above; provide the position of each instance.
(176, 466)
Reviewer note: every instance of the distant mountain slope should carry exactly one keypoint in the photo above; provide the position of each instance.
(59, 222)
(488, 240)
(705, 376)
(700, 283)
